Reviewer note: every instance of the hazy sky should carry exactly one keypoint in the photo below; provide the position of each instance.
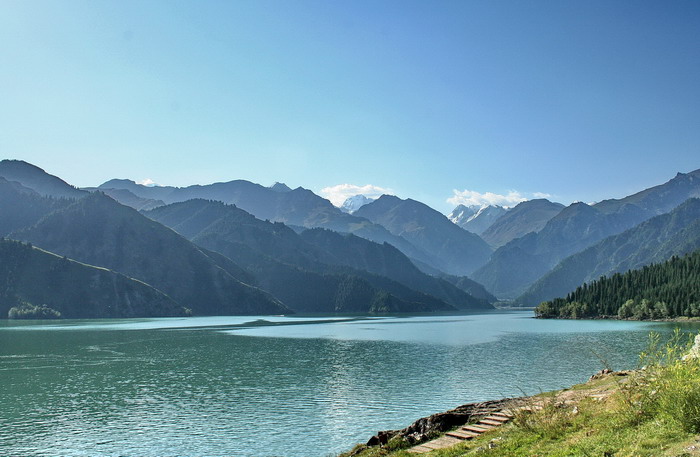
(577, 100)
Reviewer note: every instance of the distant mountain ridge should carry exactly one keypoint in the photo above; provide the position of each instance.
(298, 207)
(525, 217)
(458, 252)
(127, 198)
(476, 219)
(653, 241)
(286, 265)
(261, 246)
(522, 261)
(35, 178)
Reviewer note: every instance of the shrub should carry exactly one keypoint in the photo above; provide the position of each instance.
(668, 385)
(29, 311)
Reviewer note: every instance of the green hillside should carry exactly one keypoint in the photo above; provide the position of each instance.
(34, 280)
(652, 241)
(99, 231)
(665, 290)
(306, 271)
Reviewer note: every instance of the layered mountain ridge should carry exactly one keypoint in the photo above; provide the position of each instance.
(522, 261)
(241, 248)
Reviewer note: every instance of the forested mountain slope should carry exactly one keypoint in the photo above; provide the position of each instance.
(668, 289)
(99, 231)
(652, 241)
(31, 278)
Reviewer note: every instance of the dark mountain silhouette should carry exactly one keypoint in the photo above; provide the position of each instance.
(99, 231)
(262, 246)
(528, 216)
(455, 251)
(297, 208)
(31, 277)
(518, 264)
(38, 180)
(653, 241)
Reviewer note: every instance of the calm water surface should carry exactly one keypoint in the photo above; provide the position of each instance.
(277, 386)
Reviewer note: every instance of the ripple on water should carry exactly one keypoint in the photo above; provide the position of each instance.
(289, 387)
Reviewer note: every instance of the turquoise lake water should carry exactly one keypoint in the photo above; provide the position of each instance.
(277, 386)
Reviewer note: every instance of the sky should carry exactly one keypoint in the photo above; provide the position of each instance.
(444, 102)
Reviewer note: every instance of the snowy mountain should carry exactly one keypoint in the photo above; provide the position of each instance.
(354, 203)
(476, 219)
(462, 213)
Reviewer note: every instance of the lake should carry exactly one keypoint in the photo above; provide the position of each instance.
(278, 386)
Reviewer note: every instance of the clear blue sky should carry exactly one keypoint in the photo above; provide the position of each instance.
(580, 100)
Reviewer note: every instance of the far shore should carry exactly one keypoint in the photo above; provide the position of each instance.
(680, 319)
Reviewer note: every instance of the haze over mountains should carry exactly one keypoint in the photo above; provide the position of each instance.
(259, 267)
(654, 241)
(522, 261)
(276, 255)
(241, 248)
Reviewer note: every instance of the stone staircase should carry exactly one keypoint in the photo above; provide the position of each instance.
(466, 432)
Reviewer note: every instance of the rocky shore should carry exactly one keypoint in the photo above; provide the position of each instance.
(430, 427)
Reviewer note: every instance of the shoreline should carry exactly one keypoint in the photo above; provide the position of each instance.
(428, 428)
(680, 319)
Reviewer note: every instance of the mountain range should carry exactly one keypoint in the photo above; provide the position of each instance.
(274, 252)
(521, 262)
(654, 241)
(455, 250)
(241, 248)
(302, 208)
(475, 218)
(238, 265)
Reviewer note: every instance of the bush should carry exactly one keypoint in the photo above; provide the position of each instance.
(668, 386)
(29, 311)
(545, 417)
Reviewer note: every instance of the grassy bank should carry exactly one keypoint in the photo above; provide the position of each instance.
(653, 411)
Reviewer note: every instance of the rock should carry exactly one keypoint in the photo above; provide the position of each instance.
(695, 350)
(426, 427)
(382, 437)
(602, 373)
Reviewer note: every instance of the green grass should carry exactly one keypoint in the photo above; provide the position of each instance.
(654, 412)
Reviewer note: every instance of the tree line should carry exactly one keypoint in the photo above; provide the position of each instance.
(665, 290)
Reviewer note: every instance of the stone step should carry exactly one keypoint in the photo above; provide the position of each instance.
(489, 422)
(462, 434)
(467, 432)
(447, 441)
(432, 445)
(501, 419)
(477, 428)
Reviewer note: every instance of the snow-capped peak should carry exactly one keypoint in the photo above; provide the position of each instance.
(476, 218)
(354, 203)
